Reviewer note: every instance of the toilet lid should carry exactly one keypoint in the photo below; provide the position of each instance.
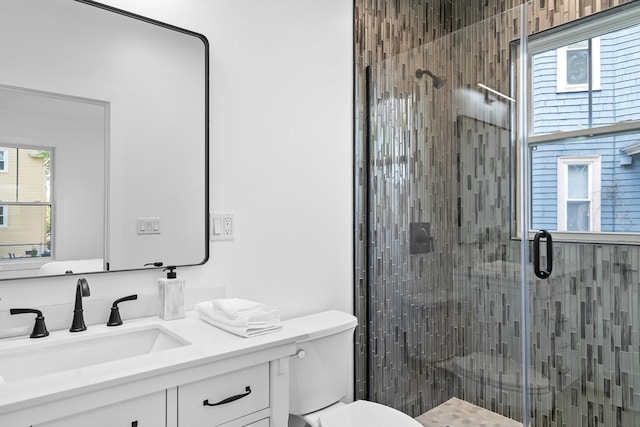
(362, 413)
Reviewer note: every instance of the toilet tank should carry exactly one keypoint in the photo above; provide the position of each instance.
(321, 377)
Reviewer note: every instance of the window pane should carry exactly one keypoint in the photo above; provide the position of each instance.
(619, 191)
(578, 216)
(577, 182)
(33, 175)
(577, 66)
(560, 92)
(555, 106)
(28, 176)
(27, 233)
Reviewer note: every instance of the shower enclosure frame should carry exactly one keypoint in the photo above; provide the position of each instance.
(375, 315)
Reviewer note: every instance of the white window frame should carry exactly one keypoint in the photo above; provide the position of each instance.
(629, 15)
(561, 69)
(5, 160)
(594, 187)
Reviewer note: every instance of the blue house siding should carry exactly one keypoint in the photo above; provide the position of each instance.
(544, 197)
(619, 190)
(617, 100)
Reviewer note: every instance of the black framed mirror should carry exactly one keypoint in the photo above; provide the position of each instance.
(103, 140)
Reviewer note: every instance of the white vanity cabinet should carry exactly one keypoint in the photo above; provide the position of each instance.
(216, 380)
(247, 397)
(218, 400)
(145, 411)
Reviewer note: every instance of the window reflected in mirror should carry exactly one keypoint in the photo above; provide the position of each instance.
(25, 203)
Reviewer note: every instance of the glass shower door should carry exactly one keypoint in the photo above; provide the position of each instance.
(490, 368)
(462, 144)
(583, 122)
(445, 272)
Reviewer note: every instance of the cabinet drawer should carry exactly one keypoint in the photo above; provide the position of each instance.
(145, 411)
(227, 397)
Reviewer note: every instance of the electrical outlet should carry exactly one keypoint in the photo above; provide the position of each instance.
(222, 226)
(227, 226)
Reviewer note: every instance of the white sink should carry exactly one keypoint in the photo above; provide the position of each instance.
(44, 356)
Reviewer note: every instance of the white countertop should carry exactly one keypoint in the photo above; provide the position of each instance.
(208, 345)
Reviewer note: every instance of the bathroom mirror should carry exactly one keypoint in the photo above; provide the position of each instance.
(103, 140)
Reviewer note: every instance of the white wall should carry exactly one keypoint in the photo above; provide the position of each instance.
(281, 158)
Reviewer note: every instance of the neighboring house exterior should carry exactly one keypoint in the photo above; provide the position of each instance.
(23, 228)
(590, 183)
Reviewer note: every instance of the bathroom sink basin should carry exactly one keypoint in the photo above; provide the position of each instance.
(33, 358)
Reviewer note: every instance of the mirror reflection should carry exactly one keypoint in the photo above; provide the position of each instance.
(26, 177)
(103, 140)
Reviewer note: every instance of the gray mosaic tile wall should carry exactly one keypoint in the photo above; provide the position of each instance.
(446, 323)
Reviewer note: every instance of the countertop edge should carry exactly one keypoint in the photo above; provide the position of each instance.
(209, 345)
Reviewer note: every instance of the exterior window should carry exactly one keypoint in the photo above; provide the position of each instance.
(573, 66)
(578, 194)
(3, 215)
(583, 131)
(4, 159)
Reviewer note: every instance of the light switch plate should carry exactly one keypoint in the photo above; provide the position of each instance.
(148, 225)
(222, 226)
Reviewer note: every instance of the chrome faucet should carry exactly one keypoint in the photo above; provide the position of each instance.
(82, 290)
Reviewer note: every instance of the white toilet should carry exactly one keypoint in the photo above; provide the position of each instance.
(320, 378)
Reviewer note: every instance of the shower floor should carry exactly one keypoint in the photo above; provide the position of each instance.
(458, 413)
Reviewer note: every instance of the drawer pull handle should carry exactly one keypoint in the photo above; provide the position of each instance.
(229, 399)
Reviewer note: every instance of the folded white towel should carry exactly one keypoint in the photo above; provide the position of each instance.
(252, 324)
(246, 332)
(235, 308)
(255, 319)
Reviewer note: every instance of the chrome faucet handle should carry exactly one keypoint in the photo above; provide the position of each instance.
(39, 328)
(114, 317)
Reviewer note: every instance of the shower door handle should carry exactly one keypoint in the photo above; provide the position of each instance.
(542, 274)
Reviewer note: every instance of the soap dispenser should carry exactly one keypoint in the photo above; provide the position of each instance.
(171, 291)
